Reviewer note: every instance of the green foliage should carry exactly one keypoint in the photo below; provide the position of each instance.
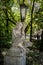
(10, 15)
(33, 57)
(5, 24)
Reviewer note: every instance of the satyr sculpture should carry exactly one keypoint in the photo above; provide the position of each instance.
(18, 34)
(16, 55)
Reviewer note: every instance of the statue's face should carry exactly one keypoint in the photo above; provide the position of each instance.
(20, 25)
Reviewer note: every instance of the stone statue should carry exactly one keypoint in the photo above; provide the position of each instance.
(18, 34)
(16, 55)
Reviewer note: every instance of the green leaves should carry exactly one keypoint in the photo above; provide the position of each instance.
(11, 7)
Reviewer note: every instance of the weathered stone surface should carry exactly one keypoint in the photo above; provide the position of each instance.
(18, 34)
(16, 55)
(14, 60)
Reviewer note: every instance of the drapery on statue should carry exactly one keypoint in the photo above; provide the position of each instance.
(18, 34)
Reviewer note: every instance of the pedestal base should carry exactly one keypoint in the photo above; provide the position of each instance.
(15, 56)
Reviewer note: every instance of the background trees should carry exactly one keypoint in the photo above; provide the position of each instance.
(10, 15)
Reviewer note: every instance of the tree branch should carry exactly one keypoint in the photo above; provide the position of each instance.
(12, 16)
(11, 21)
(31, 21)
(26, 29)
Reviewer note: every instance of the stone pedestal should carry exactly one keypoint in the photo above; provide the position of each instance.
(15, 56)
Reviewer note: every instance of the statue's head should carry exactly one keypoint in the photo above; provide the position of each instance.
(19, 25)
